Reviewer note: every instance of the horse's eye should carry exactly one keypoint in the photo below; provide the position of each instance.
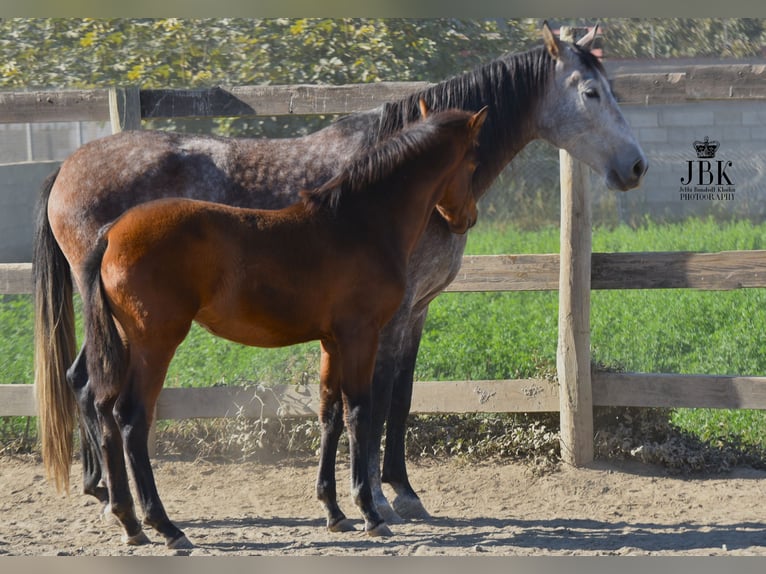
(592, 93)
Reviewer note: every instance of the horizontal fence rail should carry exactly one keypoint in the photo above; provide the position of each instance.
(731, 82)
(725, 270)
(441, 397)
(720, 271)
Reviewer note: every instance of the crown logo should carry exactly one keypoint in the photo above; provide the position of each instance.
(706, 149)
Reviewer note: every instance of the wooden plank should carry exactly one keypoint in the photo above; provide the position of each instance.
(273, 100)
(53, 106)
(254, 402)
(258, 401)
(15, 278)
(739, 81)
(679, 270)
(507, 273)
(650, 270)
(652, 88)
(573, 350)
(17, 401)
(676, 391)
(502, 396)
(429, 397)
(742, 82)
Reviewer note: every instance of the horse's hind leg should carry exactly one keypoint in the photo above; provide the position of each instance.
(120, 500)
(134, 410)
(331, 421)
(90, 431)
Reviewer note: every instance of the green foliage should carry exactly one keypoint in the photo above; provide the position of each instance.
(682, 37)
(172, 52)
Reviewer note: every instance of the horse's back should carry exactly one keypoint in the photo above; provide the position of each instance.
(105, 177)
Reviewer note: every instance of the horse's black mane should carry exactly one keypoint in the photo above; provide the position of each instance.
(510, 85)
(374, 164)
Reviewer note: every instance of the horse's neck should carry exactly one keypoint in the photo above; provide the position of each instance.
(403, 205)
(514, 108)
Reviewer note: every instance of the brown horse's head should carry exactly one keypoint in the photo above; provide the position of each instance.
(458, 203)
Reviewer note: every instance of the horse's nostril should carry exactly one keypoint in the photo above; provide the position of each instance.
(639, 168)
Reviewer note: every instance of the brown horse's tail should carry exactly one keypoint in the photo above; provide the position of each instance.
(55, 345)
(106, 356)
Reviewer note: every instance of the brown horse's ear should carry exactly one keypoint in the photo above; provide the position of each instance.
(477, 120)
(423, 108)
(551, 42)
(586, 42)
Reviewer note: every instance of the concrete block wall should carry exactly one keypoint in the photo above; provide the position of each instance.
(667, 132)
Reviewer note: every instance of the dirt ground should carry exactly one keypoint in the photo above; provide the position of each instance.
(477, 509)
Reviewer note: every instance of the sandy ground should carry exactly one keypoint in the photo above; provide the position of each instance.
(477, 509)
(490, 509)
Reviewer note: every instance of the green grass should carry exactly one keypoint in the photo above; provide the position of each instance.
(513, 335)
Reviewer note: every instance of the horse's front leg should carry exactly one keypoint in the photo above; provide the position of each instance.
(407, 504)
(331, 421)
(358, 356)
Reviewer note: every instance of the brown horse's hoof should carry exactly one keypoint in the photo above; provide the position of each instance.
(181, 543)
(343, 525)
(380, 530)
(136, 539)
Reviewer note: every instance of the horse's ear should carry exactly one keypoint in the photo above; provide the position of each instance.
(552, 43)
(423, 108)
(477, 120)
(586, 42)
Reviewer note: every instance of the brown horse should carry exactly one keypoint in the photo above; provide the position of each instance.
(558, 92)
(331, 268)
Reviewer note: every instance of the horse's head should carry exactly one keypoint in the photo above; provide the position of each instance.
(458, 202)
(579, 114)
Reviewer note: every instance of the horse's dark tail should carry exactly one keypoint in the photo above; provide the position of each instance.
(107, 354)
(55, 345)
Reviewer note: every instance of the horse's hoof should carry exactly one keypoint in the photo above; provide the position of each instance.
(107, 516)
(380, 530)
(343, 525)
(411, 508)
(387, 513)
(136, 539)
(181, 543)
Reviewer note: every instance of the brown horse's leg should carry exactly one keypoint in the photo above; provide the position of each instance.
(120, 500)
(331, 421)
(358, 362)
(134, 412)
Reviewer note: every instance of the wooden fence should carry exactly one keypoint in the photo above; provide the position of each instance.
(578, 388)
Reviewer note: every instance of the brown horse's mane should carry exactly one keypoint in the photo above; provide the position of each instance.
(373, 165)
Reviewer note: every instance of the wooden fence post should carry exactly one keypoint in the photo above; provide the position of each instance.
(125, 108)
(573, 353)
